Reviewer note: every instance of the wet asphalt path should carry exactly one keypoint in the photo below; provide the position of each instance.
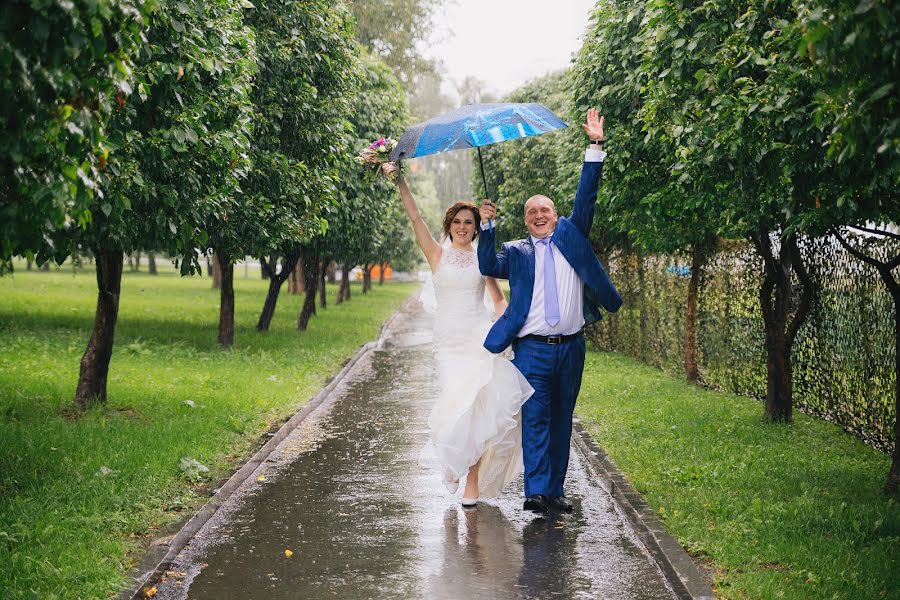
(352, 495)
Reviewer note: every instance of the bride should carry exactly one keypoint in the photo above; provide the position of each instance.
(475, 424)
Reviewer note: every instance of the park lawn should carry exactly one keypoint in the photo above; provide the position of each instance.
(776, 511)
(67, 531)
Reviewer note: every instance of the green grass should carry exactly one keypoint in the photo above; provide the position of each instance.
(776, 511)
(68, 532)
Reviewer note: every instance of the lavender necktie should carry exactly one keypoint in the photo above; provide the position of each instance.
(551, 301)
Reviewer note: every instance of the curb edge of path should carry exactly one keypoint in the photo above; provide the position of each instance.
(155, 563)
(677, 566)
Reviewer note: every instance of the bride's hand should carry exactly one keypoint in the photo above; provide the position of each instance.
(388, 168)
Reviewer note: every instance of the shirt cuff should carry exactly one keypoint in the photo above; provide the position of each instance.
(488, 225)
(594, 155)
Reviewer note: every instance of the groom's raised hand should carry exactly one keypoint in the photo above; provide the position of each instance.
(593, 126)
(487, 211)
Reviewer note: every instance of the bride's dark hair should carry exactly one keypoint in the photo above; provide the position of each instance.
(451, 214)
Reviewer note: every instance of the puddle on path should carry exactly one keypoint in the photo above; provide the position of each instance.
(352, 495)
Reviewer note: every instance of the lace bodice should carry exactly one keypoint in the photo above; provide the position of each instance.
(459, 291)
(459, 258)
(458, 284)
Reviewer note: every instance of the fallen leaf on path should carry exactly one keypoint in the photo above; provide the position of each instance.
(150, 592)
(288, 553)
(261, 478)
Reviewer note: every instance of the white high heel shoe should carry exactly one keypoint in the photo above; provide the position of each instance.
(469, 502)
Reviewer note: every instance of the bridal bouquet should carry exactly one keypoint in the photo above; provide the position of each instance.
(377, 158)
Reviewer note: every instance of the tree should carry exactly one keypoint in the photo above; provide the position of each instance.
(645, 206)
(735, 99)
(301, 104)
(363, 223)
(177, 149)
(64, 67)
(854, 51)
(395, 31)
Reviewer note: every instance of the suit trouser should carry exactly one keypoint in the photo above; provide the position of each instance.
(554, 371)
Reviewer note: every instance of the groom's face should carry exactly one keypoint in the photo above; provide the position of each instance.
(540, 216)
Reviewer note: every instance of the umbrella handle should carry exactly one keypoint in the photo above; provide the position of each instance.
(483, 178)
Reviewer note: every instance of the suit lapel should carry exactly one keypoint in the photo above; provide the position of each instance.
(528, 249)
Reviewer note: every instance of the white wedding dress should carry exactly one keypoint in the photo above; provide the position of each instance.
(478, 410)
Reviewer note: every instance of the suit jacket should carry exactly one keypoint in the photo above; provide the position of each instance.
(515, 262)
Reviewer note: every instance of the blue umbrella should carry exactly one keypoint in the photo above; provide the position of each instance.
(473, 126)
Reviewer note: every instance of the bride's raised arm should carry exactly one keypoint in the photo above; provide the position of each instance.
(427, 243)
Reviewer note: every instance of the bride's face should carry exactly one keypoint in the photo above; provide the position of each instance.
(462, 227)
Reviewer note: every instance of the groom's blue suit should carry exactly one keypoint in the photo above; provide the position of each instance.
(553, 370)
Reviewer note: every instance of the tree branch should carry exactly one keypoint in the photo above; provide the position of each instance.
(763, 246)
(806, 298)
(885, 233)
(857, 253)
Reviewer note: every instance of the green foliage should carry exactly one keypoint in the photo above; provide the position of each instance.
(301, 98)
(64, 66)
(366, 225)
(774, 511)
(181, 143)
(855, 50)
(67, 530)
(726, 119)
(395, 31)
(644, 204)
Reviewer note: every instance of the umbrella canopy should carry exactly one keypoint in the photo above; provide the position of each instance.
(476, 125)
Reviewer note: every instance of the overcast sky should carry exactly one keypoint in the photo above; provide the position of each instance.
(508, 42)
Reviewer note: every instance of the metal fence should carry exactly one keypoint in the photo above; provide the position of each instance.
(843, 356)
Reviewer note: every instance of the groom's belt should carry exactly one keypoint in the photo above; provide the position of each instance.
(553, 339)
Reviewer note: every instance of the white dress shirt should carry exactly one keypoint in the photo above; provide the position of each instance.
(569, 287)
(569, 292)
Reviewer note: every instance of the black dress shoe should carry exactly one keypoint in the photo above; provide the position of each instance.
(562, 504)
(537, 503)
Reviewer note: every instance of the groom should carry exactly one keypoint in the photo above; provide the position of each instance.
(556, 286)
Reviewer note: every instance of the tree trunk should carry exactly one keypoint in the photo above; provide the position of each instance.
(45, 266)
(27, 264)
(642, 291)
(310, 281)
(775, 296)
(367, 277)
(332, 267)
(151, 263)
(275, 282)
(137, 261)
(381, 273)
(216, 272)
(130, 263)
(339, 298)
(698, 259)
(892, 485)
(345, 281)
(226, 303)
(323, 266)
(95, 361)
(295, 279)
